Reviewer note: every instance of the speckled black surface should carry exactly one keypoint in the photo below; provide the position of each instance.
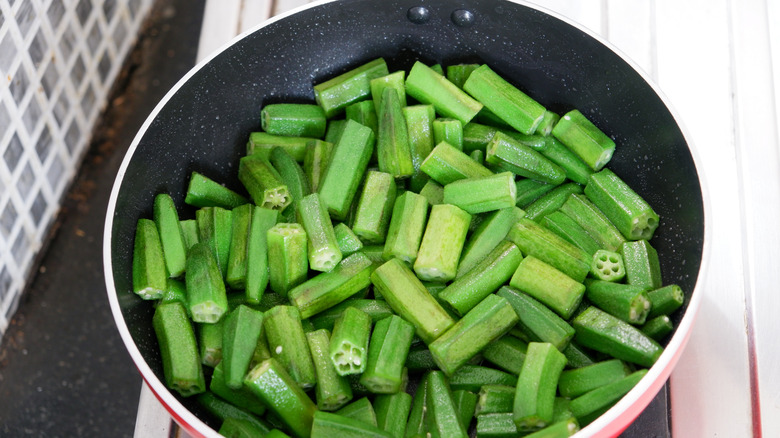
(64, 371)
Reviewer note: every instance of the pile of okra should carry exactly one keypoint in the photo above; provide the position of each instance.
(422, 253)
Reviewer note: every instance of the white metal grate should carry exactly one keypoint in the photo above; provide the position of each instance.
(58, 59)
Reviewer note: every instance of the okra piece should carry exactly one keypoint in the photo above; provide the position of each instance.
(430, 87)
(665, 300)
(591, 405)
(282, 395)
(473, 377)
(287, 343)
(330, 288)
(476, 136)
(630, 213)
(263, 182)
(442, 414)
(176, 291)
(363, 112)
(494, 399)
(166, 218)
(585, 139)
(574, 168)
(178, 349)
(602, 332)
(507, 352)
(393, 149)
(607, 266)
(349, 343)
(419, 124)
(535, 240)
(558, 429)
(536, 386)
(442, 243)
(291, 173)
(405, 231)
(486, 277)
(465, 405)
(576, 356)
(276, 433)
(328, 424)
(348, 242)
(417, 423)
(446, 164)
(261, 143)
(387, 351)
(482, 194)
(407, 296)
(237, 261)
(529, 190)
(287, 256)
(479, 157)
(361, 410)
(547, 284)
(566, 227)
(393, 81)
(215, 228)
(642, 266)
(658, 327)
(499, 425)
(588, 216)
(486, 237)
(392, 412)
(315, 161)
(332, 390)
(511, 154)
(334, 131)
(210, 340)
(241, 331)
(458, 73)
(293, 120)
(433, 192)
(376, 309)
(150, 278)
(505, 100)
(241, 398)
(551, 201)
(448, 130)
(257, 277)
(537, 321)
(549, 119)
(203, 191)
(348, 163)
(237, 428)
(223, 410)
(323, 249)
(375, 206)
(189, 232)
(624, 301)
(206, 295)
(575, 382)
(339, 92)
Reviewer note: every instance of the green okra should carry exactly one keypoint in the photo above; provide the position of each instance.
(348, 242)
(261, 144)
(494, 270)
(293, 120)
(625, 301)
(376, 309)
(479, 157)
(287, 343)
(291, 174)
(335, 129)
(507, 353)
(315, 161)
(592, 219)
(549, 119)
(288, 264)
(175, 291)
(395, 81)
(206, 295)
(237, 260)
(442, 243)
(348, 164)
(465, 405)
(282, 395)
(166, 218)
(241, 398)
(472, 377)
(407, 296)
(405, 231)
(178, 349)
(536, 320)
(387, 350)
(327, 289)
(442, 415)
(642, 266)
(417, 423)
(393, 149)
(337, 93)
(549, 285)
(575, 382)
(375, 206)
(602, 332)
(203, 191)
(322, 247)
(222, 410)
(189, 232)
(498, 425)
(430, 87)
(529, 190)
(328, 424)
(239, 428)
(607, 266)
(586, 140)
(543, 244)
(567, 228)
(630, 213)
(536, 386)
(511, 154)
(574, 168)
(215, 228)
(241, 330)
(591, 405)
(150, 278)
(392, 412)
(476, 136)
(504, 99)
(446, 129)
(446, 164)
(263, 182)
(332, 390)
(419, 124)
(551, 201)
(210, 340)
(258, 270)
(576, 356)
(494, 399)
(458, 73)
(349, 343)
(486, 236)
(665, 300)
(657, 327)
(482, 194)
(363, 112)
(433, 192)
(360, 409)
(557, 429)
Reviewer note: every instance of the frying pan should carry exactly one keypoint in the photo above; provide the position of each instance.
(203, 124)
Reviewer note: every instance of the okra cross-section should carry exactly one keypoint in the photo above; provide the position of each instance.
(349, 343)
(263, 182)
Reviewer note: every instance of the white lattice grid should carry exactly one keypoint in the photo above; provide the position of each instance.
(58, 59)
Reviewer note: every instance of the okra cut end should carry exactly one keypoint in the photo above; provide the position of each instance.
(208, 312)
(349, 359)
(608, 266)
(276, 199)
(643, 226)
(324, 260)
